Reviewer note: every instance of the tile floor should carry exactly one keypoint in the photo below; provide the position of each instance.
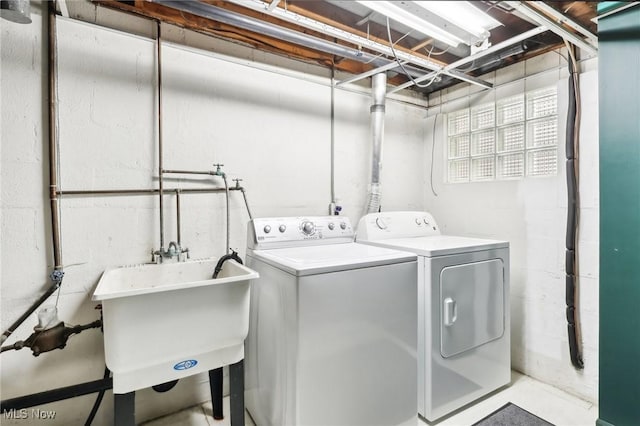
(543, 400)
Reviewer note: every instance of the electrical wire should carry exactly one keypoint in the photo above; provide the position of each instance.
(433, 144)
(432, 53)
(380, 55)
(422, 86)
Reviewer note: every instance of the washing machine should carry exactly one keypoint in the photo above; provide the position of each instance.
(333, 327)
(463, 308)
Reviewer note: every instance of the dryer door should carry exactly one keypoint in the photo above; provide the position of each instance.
(471, 305)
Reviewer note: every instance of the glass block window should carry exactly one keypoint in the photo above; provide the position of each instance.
(542, 162)
(483, 168)
(483, 117)
(509, 139)
(459, 170)
(510, 166)
(459, 122)
(459, 146)
(510, 110)
(542, 103)
(483, 143)
(542, 133)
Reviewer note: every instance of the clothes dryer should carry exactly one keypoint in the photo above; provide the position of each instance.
(463, 308)
(333, 327)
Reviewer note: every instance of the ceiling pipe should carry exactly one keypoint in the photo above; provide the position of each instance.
(255, 25)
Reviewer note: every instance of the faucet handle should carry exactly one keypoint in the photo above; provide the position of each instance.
(237, 181)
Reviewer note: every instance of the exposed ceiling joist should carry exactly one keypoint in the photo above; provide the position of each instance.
(331, 33)
(350, 36)
(552, 26)
(562, 19)
(464, 61)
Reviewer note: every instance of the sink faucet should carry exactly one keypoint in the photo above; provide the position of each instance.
(174, 250)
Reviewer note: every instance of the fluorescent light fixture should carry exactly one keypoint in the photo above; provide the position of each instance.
(463, 14)
(452, 22)
(387, 8)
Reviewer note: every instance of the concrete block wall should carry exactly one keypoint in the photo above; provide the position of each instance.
(269, 124)
(531, 214)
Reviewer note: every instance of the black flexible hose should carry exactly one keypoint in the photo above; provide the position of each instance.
(96, 405)
(572, 224)
(232, 256)
(215, 375)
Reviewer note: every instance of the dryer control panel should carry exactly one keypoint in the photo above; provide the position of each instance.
(385, 225)
(279, 232)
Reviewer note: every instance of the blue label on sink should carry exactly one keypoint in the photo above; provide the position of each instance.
(186, 364)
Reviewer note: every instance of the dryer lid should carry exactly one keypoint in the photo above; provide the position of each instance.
(440, 245)
(323, 259)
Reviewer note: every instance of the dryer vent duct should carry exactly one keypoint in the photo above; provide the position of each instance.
(378, 93)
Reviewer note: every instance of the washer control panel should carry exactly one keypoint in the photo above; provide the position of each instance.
(384, 225)
(292, 231)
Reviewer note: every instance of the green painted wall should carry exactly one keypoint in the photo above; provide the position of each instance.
(619, 74)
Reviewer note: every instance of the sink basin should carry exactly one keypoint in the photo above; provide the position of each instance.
(168, 321)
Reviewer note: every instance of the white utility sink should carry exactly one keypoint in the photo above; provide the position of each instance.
(168, 321)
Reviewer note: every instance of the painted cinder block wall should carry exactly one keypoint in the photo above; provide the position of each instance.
(269, 125)
(270, 128)
(531, 214)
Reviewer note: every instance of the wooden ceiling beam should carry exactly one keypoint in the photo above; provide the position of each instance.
(206, 26)
(331, 22)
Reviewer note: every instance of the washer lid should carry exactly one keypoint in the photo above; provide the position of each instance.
(323, 259)
(440, 245)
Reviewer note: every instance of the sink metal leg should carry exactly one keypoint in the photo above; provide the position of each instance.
(125, 409)
(236, 390)
(215, 384)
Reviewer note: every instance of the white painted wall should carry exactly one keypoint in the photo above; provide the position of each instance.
(270, 128)
(531, 214)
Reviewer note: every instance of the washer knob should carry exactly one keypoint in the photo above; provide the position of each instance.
(331, 226)
(418, 221)
(343, 225)
(282, 228)
(267, 229)
(426, 222)
(381, 223)
(308, 228)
